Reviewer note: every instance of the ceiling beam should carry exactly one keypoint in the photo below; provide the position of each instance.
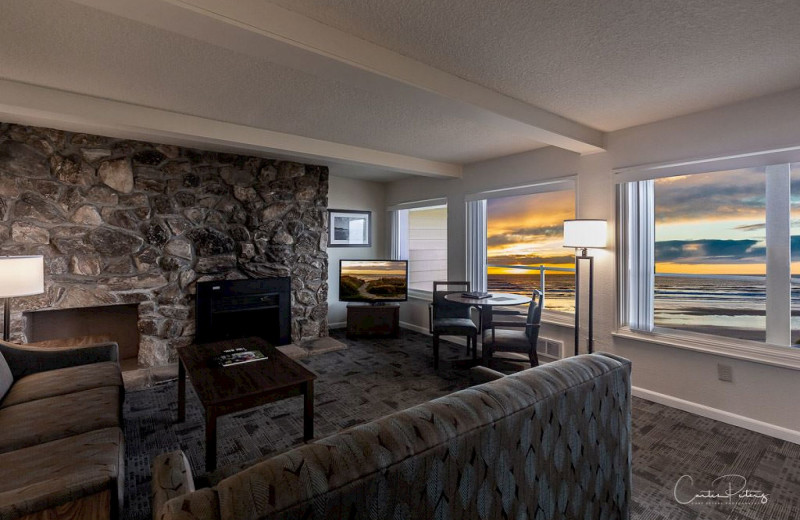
(264, 30)
(31, 104)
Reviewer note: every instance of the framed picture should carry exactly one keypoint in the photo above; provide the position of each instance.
(349, 228)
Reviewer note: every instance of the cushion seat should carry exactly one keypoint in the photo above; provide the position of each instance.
(512, 340)
(62, 381)
(455, 326)
(52, 418)
(47, 475)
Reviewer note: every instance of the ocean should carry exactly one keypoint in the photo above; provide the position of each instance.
(731, 308)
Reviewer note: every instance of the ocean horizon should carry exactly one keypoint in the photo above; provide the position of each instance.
(732, 308)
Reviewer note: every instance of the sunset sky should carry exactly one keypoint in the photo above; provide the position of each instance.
(714, 223)
(711, 223)
(528, 230)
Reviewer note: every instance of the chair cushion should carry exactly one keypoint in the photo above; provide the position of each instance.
(51, 418)
(63, 381)
(456, 326)
(507, 340)
(46, 475)
(6, 378)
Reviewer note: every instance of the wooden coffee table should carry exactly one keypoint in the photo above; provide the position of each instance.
(225, 390)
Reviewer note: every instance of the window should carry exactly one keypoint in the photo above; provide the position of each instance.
(713, 253)
(514, 242)
(524, 236)
(420, 236)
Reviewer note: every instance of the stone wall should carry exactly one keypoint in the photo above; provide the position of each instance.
(122, 221)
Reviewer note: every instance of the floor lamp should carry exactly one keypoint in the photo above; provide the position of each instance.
(19, 276)
(583, 234)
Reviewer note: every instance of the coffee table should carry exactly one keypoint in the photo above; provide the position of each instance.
(226, 390)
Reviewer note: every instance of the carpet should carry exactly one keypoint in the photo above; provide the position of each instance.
(375, 377)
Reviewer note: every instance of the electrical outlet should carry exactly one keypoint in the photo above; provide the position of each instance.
(724, 372)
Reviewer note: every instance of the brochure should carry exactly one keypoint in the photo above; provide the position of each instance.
(237, 356)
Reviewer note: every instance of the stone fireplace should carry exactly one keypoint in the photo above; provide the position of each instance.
(123, 222)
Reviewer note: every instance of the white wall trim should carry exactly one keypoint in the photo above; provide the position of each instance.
(415, 328)
(34, 105)
(784, 357)
(566, 182)
(337, 325)
(754, 159)
(741, 421)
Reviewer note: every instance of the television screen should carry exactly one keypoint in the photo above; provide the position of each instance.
(373, 280)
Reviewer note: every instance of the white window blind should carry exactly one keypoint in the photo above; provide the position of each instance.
(638, 260)
(399, 234)
(476, 245)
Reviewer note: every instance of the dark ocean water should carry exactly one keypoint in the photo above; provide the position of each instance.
(735, 308)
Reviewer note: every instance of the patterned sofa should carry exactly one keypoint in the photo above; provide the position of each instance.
(549, 442)
(61, 446)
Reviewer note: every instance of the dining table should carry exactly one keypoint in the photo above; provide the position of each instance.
(484, 305)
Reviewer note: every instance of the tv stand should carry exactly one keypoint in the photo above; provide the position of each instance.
(373, 320)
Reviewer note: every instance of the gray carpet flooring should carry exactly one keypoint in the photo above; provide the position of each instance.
(375, 377)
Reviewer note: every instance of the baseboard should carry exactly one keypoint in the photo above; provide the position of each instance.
(337, 325)
(415, 328)
(772, 430)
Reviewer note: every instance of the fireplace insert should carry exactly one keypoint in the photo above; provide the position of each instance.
(229, 309)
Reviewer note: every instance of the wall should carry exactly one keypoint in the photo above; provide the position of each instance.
(347, 193)
(669, 374)
(121, 222)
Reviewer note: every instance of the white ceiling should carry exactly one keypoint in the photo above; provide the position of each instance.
(606, 65)
(75, 48)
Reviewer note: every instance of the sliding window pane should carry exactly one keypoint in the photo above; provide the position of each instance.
(710, 253)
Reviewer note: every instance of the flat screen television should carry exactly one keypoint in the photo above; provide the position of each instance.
(373, 281)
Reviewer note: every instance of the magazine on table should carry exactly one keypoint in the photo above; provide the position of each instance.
(237, 356)
(476, 295)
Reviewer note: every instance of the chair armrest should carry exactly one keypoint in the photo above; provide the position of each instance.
(480, 374)
(24, 360)
(171, 478)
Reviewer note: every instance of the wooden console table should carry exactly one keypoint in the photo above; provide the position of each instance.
(373, 320)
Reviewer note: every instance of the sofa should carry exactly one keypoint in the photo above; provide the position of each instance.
(548, 442)
(61, 443)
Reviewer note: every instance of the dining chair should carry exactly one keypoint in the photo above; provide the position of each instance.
(517, 336)
(451, 318)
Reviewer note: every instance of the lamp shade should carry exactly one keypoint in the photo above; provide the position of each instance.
(21, 276)
(582, 233)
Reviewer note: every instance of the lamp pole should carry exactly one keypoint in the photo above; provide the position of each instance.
(582, 234)
(6, 319)
(578, 258)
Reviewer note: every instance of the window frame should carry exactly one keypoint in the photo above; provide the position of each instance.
(569, 182)
(761, 352)
(403, 242)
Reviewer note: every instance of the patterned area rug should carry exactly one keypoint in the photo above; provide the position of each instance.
(373, 378)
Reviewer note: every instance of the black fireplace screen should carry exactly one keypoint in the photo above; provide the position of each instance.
(230, 309)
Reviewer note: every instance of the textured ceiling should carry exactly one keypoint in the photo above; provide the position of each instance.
(71, 47)
(607, 64)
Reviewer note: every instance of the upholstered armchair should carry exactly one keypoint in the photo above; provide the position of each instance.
(518, 337)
